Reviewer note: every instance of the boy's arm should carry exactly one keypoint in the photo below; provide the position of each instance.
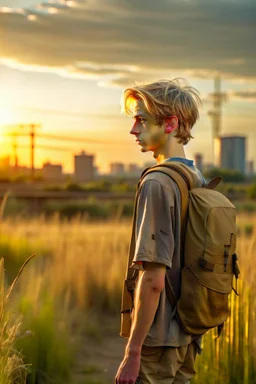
(149, 287)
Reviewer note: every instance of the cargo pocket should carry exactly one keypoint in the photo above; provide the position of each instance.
(199, 307)
(150, 360)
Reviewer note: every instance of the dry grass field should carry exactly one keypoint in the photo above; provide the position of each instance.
(69, 297)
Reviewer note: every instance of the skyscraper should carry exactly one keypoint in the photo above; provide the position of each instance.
(232, 153)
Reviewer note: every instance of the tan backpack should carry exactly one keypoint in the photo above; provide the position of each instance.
(208, 258)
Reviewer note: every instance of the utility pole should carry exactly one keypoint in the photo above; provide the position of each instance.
(32, 154)
(32, 147)
(32, 134)
(14, 146)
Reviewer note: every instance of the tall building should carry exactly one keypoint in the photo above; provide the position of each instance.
(117, 169)
(52, 171)
(84, 167)
(199, 161)
(232, 150)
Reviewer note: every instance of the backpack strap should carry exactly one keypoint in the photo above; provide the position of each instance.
(184, 182)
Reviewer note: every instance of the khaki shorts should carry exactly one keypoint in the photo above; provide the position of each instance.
(167, 365)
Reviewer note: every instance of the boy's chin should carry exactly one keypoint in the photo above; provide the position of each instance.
(144, 149)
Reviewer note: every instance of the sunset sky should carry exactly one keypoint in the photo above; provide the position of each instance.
(64, 64)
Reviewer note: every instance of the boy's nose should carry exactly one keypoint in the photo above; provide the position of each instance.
(134, 130)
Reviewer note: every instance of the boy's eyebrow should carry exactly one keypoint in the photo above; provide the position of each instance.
(139, 115)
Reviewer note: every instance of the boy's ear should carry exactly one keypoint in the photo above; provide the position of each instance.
(171, 123)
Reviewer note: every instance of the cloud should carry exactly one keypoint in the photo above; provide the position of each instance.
(119, 41)
(248, 95)
(245, 95)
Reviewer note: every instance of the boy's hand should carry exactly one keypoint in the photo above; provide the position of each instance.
(128, 370)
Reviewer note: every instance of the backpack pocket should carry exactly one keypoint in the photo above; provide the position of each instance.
(199, 307)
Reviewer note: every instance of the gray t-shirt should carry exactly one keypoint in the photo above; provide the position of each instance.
(158, 240)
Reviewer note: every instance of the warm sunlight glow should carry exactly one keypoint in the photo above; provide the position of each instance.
(52, 10)
(70, 3)
(5, 116)
(32, 17)
(5, 10)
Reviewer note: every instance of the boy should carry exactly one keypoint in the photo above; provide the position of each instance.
(158, 350)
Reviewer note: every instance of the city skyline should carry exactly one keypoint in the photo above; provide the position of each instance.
(231, 157)
(79, 93)
(84, 168)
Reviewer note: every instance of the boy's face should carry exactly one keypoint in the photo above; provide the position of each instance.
(149, 135)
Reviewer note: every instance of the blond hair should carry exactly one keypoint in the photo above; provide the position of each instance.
(166, 98)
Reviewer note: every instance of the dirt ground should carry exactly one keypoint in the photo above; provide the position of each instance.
(100, 355)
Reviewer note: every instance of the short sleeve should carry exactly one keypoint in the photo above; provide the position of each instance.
(154, 225)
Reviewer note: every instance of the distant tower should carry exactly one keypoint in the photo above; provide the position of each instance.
(216, 115)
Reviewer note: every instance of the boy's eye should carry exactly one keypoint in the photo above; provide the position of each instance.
(142, 120)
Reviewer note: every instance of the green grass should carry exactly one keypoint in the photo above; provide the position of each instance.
(82, 273)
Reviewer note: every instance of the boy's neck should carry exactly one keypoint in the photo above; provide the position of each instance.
(174, 150)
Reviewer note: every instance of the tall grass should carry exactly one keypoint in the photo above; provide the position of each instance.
(12, 368)
(83, 272)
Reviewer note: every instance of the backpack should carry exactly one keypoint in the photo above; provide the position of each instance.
(208, 258)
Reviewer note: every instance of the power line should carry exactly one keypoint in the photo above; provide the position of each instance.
(72, 139)
(50, 147)
(79, 139)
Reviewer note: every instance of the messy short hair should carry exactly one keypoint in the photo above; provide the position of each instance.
(166, 98)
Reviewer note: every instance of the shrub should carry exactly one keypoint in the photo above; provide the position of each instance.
(252, 192)
(74, 187)
(91, 208)
(228, 175)
(98, 186)
(70, 209)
